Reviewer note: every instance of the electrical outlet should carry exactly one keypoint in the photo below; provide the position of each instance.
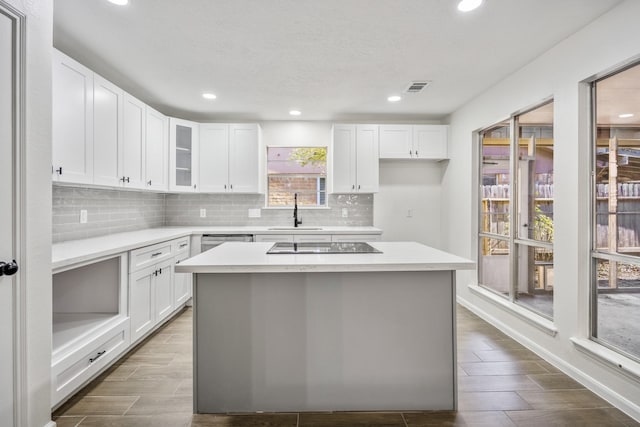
(345, 213)
(203, 213)
(409, 213)
(254, 213)
(83, 216)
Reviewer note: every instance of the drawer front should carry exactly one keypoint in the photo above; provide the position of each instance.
(74, 370)
(313, 238)
(356, 238)
(181, 245)
(273, 238)
(149, 255)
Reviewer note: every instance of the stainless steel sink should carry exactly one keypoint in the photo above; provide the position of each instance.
(293, 228)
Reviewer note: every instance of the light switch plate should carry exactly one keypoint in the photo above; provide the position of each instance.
(83, 216)
(203, 213)
(254, 213)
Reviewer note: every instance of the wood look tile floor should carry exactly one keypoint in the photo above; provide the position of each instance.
(500, 383)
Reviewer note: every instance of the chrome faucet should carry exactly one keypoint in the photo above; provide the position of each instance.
(296, 221)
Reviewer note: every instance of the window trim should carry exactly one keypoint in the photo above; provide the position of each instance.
(300, 175)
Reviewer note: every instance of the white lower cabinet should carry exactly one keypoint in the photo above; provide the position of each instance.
(356, 238)
(273, 238)
(74, 369)
(102, 307)
(181, 281)
(150, 297)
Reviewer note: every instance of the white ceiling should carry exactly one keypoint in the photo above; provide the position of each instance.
(331, 59)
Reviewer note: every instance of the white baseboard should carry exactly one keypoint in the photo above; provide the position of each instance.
(614, 398)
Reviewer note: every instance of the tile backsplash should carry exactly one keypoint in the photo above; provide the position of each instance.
(115, 211)
(108, 211)
(232, 209)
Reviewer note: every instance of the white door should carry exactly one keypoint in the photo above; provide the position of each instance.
(396, 141)
(72, 120)
(243, 158)
(183, 155)
(141, 302)
(156, 150)
(214, 158)
(107, 131)
(134, 137)
(7, 249)
(344, 159)
(367, 165)
(430, 142)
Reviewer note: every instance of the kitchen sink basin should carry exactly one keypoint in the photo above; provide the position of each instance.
(294, 228)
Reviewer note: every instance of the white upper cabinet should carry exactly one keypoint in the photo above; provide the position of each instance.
(72, 114)
(183, 155)
(214, 158)
(133, 154)
(156, 150)
(107, 131)
(244, 171)
(229, 158)
(428, 142)
(355, 159)
(396, 141)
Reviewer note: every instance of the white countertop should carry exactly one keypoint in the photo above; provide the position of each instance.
(72, 252)
(241, 257)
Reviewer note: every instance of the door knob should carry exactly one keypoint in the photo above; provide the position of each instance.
(8, 268)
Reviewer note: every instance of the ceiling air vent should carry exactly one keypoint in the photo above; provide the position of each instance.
(417, 87)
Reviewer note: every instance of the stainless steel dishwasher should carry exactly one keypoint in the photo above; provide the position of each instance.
(212, 240)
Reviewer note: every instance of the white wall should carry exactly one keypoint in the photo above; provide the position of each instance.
(409, 185)
(37, 202)
(609, 41)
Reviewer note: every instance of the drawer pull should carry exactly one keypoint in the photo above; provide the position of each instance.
(156, 254)
(98, 356)
(183, 245)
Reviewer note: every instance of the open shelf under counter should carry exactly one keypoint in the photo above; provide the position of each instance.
(70, 328)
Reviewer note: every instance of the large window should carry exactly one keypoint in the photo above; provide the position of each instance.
(296, 170)
(616, 203)
(516, 209)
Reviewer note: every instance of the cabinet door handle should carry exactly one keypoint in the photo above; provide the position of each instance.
(156, 254)
(155, 273)
(194, 186)
(98, 356)
(177, 262)
(231, 186)
(149, 183)
(358, 186)
(225, 186)
(183, 245)
(353, 187)
(160, 271)
(416, 153)
(411, 152)
(124, 179)
(59, 170)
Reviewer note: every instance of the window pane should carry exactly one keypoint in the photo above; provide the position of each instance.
(296, 170)
(616, 148)
(535, 279)
(494, 264)
(495, 185)
(618, 305)
(535, 172)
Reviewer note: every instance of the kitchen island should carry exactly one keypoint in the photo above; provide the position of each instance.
(324, 332)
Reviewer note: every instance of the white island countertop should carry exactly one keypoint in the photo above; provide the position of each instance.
(241, 257)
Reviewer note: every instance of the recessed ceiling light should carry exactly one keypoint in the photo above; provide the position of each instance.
(295, 112)
(207, 95)
(468, 5)
(625, 115)
(119, 2)
(394, 98)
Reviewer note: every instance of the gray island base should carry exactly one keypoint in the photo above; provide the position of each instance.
(279, 333)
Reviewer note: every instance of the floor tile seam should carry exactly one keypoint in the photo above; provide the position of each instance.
(576, 408)
(404, 420)
(130, 406)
